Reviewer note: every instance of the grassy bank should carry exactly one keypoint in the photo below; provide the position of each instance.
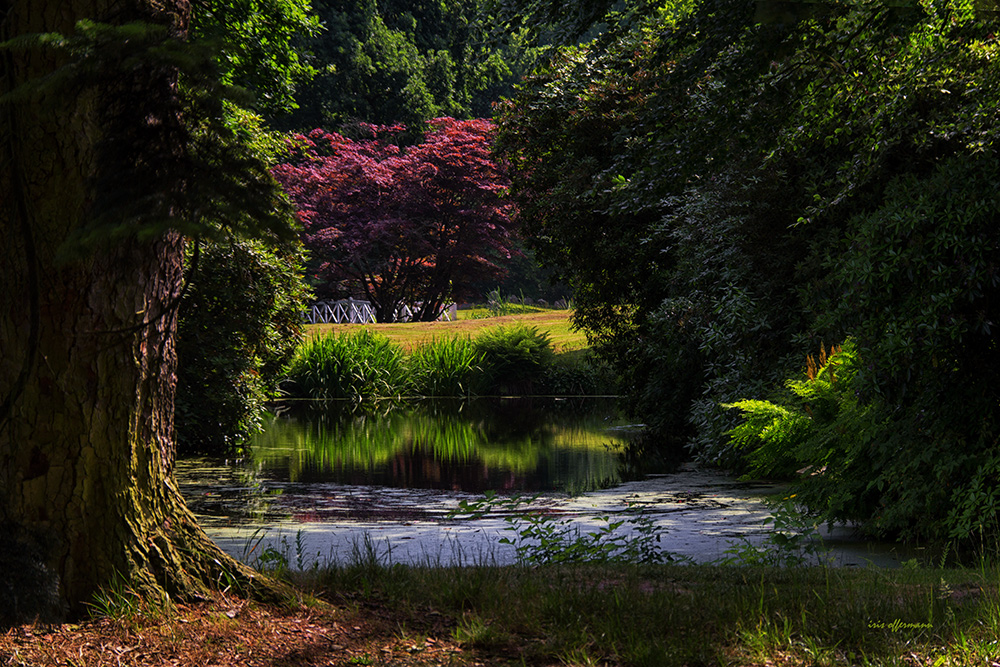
(691, 615)
(629, 615)
(527, 354)
(556, 323)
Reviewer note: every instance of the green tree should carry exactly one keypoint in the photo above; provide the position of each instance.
(741, 191)
(241, 323)
(256, 40)
(402, 62)
(241, 315)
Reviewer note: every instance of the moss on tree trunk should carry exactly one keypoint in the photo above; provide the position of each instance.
(87, 372)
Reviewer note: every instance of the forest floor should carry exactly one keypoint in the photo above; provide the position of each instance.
(584, 615)
(229, 632)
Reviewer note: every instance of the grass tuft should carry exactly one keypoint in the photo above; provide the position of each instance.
(445, 367)
(356, 365)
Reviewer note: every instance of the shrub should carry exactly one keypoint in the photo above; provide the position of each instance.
(819, 430)
(578, 373)
(355, 365)
(514, 358)
(918, 287)
(241, 321)
(890, 470)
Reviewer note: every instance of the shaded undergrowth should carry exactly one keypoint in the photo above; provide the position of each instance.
(691, 615)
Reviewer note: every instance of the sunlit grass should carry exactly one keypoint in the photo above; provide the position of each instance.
(556, 323)
(538, 354)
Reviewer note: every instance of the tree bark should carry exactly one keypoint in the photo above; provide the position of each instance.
(87, 370)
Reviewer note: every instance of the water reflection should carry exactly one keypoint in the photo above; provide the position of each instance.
(568, 445)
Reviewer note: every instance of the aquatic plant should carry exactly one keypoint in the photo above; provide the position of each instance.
(541, 537)
(514, 357)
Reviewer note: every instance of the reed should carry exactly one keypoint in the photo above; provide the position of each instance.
(355, 365)
(445, 367)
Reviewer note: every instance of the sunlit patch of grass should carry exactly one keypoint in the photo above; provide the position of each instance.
(444, 367)
(556, 323)
(351, 365)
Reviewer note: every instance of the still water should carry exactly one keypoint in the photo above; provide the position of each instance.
(569, 445)
(323, 478)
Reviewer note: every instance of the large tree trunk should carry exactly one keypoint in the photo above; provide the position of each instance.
(87, 360)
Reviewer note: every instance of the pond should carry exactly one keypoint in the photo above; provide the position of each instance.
(327, 481)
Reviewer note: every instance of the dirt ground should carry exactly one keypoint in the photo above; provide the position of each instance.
(229, 632)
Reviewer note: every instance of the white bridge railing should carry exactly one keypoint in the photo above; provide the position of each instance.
(339, 312)
(359, 312)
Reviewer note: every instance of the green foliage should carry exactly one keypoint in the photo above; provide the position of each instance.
(793, 541)
(156, 174)
(780, 438)
(241, 323)
(357, 366)
(514, 357)
(771, 185)
(859, 461)
(506, 359)
(540, 537)
(277, 558)
(918, 282)
(257, 42)
(445, 367)
(819, 430)
(118, 602)
(578, 373)
(919, 278)
(399, 62)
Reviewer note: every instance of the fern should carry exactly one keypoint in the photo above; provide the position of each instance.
(799, 432)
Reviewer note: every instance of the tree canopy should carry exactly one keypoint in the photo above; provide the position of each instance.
(726, 193)
(392, 62)
(256, 41)
(402, 224)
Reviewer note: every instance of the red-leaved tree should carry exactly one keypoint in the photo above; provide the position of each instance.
(414, 225)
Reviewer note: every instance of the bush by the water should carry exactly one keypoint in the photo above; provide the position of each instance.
(515, 357)
(240, 324)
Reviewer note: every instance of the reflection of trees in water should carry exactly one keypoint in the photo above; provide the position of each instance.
(474, 445)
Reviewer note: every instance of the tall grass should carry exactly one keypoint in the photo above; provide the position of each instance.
(515, 357)
(674, 615)
(356, 365)
(445, 367)
(507, 359)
